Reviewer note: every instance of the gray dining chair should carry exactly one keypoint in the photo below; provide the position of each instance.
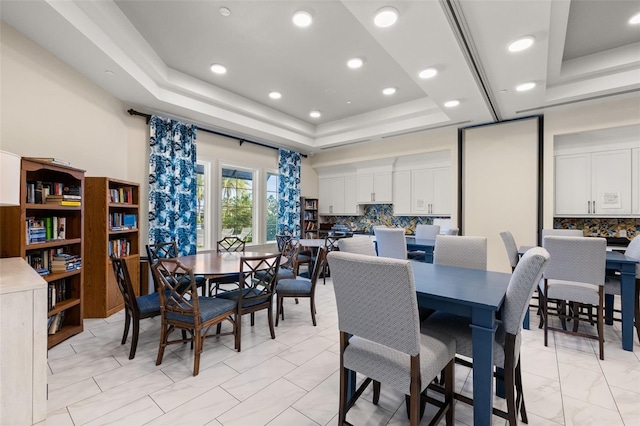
(612, 286)
(391, 242)
(463, 251)
(575, 274)
(562, 232)
(426, 232)
(511, 247)
(453, 231)
(508, 338)
(359, 245)
(380, 333)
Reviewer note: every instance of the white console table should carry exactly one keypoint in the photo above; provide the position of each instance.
(23, 344)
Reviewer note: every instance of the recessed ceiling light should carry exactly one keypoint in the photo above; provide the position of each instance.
(302, 18)
(355, 63)
(428, 73)
(389, 91)
(109, 72)
(275, 95)
(452, 103)
(349, 102)
(386, 17)
(521, 44)
(218, 69)
(315, 114)
(635, 19)
(225, 11)
(526, 86)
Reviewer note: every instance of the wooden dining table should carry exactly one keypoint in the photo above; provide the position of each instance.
(217, 264)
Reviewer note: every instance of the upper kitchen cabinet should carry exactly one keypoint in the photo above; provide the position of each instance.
(595, 172)
(431, 191)
(375, 187)
(337, 195)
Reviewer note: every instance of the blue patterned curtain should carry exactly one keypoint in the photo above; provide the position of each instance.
(288, 192)
(172, 184)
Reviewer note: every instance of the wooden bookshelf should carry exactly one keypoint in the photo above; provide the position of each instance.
(20, 236)
(309, 217)
(111, 224)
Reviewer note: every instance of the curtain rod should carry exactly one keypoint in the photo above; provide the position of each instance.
(213, 132)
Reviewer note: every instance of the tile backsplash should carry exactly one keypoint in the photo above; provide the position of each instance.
(379, 214)
(601, 227)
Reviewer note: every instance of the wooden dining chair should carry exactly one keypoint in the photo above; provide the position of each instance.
(300, 288)
(225, 245)
(169, 250)
(257, 286)
(135, 308)
(182, 308)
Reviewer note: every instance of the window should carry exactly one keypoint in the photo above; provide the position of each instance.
(237, 202)
(201, 208)
(272, 206)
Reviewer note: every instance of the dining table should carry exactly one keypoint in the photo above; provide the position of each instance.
(627, 267)
(218, 264)
(479, 296)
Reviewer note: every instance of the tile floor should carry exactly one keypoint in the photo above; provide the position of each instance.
(293, 380)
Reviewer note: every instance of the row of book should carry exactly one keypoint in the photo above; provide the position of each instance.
(40, 230)
(122, 221)
(53, 260)
(310, 215)
(39, 191)
(311, 204)
(57, 292)
(65, 200)
(121, 247)
(123, 195)
(311, 226)
(54, 322)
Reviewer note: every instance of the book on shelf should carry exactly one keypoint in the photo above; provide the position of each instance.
(123, 195)
(65, 197)
(55, 322)
(68, 203)
(71, 190)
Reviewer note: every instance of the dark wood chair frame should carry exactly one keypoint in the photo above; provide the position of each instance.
(310, 295)
(131, 310)
(225, 245)
(179, 295)
(231, 244)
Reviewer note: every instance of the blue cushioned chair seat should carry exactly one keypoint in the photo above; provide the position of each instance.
(210, 307)
(283, 274)
(149, 303)
(233, 295)
(294, 287)
(303, 258)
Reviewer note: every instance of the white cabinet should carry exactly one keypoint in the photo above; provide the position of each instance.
(431, 191)
(402, 193)
(635, 181)
(375, 188)
(337, 196)
(597, 183)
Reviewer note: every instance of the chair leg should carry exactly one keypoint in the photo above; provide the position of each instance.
(279, 309)
(134, 338)
(576, 316)
(342, 406)
(164, 335)
(238, 330)
(510, 395)
(197, 336)
(127, 321)
(312, 304)
(637, 309)
(520, 394)
(601, 325)
(545, 318)
(376, 392)
(449, 391)
(270, 318)
(253, 319)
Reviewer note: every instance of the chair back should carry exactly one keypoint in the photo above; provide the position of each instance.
(453, 231)
(562, 232)
(511, 247)
(231, 244)
(290, 251)
(578, 259)
(359, 245)
(282, 239)
(123, 280)
(244, 234)
(376, 299)
(391, 242)
(162, 251)
(522, 284)
(177, 289)
(633, 250)
(331, 242)
(227, 232)
(427, 232)
(464, 251)
(258, 278)
(317, 267)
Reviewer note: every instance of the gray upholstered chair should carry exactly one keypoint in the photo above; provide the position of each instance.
(391, 242)
(612, 284)
(508, 335)
(424, 232)
(576, 274)
(359, 245)
(453, 231)
(465, 252)
(380, 332)
(511, 247)
(562, 232)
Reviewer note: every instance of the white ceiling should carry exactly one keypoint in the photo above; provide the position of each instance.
(158, 54)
